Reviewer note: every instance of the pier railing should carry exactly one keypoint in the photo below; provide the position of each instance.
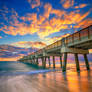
(81, 35)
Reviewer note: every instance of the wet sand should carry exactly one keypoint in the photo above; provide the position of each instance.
(57, 81)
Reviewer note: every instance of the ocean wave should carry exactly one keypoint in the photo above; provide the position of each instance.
(3, 73)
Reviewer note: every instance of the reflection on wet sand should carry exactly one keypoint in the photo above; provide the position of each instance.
(58, 81)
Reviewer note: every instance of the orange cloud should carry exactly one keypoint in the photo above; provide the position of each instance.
(30, 17)
(81, 6)
(34, 3)
(73, 17)
(49, 28)
(84, 23)
(21, 29)
(44, 26)
(28, 44)
(67, 3)
(41, 20)
(57, 12)
(47, 10)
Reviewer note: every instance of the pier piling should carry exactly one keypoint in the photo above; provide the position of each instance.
(86, 62)
(61, 61)
(65, 62)
(77, 61)
(44, 62)
(53, 61)
(49, 61)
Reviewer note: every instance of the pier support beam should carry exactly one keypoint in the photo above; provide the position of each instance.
(61, 61)
(86, 62)
(49, 61)
(65, 62)
(77, 61)
(44, 62)
(53, 61)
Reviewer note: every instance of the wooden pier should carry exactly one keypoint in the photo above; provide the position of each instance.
(77, 43)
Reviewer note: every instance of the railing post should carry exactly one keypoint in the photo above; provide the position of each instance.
(86, 62)
(65, 62)
(77, 62)
(88, 33)
(53, 61)
(79, 36)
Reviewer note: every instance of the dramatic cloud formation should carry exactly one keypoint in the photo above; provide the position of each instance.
(42, 25)
(28, 44)
(48, 22)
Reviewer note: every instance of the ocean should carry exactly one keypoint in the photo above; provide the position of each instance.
(24, 77)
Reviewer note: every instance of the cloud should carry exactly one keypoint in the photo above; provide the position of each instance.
(47, 10)
(74, 17)
(30, 17)
(81, 6)
(57, 12)
(28, 44)
(47, 28)
(67, 3)
(84, 23)
(34, 3)
(43, 24)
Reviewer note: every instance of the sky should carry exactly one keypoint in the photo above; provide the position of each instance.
(26, 22)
